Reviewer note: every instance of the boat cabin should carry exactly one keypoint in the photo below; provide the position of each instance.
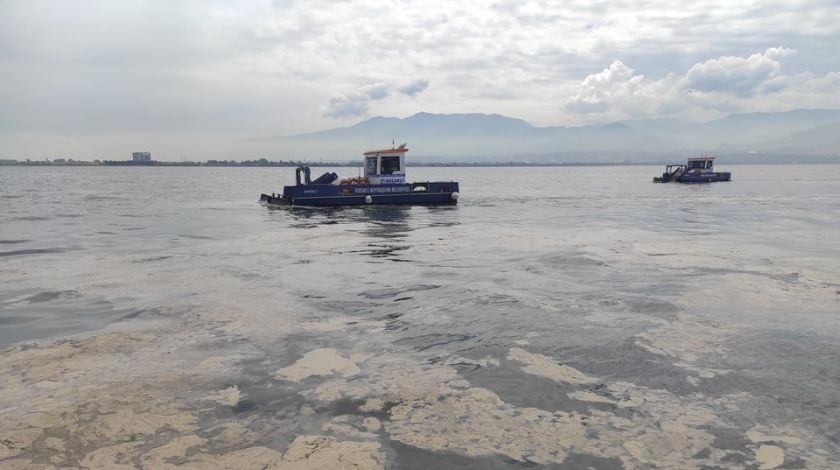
(386, 166)
(704, 164)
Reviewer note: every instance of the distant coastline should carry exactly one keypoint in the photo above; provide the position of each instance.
(737, 159)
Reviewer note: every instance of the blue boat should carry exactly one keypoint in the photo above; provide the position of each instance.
(696, 170)
(383, 183)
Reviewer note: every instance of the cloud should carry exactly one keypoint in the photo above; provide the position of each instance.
(355, 104)
(263, 67)
(599, 91)
(756, 82)
(374, 91)
(741, 76)
(414, 88)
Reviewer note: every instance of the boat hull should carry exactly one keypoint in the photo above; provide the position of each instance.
(329, 195)
(694, 178)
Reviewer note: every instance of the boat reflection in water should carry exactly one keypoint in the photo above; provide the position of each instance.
(379, 231)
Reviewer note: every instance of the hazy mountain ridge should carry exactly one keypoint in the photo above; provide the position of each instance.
(493, 137)
(820, 140)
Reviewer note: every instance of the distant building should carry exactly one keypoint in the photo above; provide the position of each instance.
(141, 156)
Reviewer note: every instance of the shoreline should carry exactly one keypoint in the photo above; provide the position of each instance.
(826, 161)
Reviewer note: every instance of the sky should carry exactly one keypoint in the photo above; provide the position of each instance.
(205, 79)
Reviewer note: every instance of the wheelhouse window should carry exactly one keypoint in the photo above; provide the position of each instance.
(390, 165)
(371, 166)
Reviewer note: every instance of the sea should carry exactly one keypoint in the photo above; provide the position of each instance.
(556, 317)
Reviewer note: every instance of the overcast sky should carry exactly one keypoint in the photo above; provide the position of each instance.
(212, 79)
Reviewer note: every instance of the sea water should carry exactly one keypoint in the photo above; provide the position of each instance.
(556, 317)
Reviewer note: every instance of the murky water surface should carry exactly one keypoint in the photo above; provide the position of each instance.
(556, 318)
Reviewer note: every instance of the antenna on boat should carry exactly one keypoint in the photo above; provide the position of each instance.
(392, 143)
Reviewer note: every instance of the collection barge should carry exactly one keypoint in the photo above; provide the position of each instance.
(696, 170)
(383, 183)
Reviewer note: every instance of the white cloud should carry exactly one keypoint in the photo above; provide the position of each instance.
(708, 89)
(355, 104)
(741, 76)
(600, 90)
(263, 67)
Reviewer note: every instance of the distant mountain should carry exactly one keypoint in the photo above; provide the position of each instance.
(820, 140)
(426, 125)
(493, 137)
(747, 131)
(802, 118)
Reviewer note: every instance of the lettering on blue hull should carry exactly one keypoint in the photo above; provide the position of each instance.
(382, 190)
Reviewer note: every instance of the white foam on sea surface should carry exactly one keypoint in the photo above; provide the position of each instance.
(604, 318)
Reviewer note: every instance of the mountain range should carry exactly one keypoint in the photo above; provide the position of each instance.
(801, 135)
